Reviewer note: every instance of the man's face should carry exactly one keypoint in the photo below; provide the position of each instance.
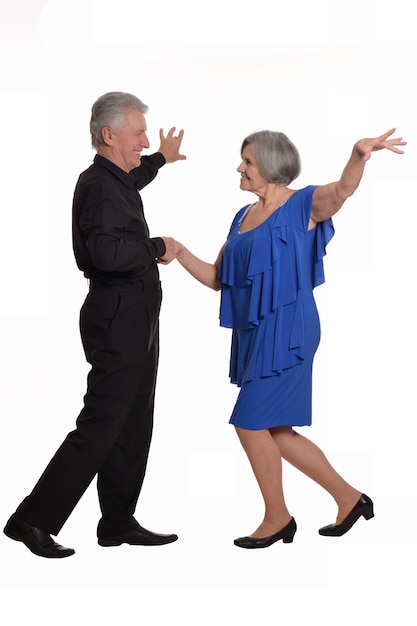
(128, 142)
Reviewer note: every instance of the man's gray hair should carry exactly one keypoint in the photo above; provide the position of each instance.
(277, 157)
(111, 110)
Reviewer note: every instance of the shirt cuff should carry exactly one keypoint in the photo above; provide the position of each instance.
(158, 159)
(160, 247)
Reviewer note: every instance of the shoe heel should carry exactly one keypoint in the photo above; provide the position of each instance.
(289, 532)
(367, 507)
(368, 514)
(108, 543)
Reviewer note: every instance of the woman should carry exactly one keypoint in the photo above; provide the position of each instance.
(267, 270)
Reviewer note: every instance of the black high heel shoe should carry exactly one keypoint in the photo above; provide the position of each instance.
(364, 507)
(286, 534)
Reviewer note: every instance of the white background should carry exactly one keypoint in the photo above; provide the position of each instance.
(326, 73)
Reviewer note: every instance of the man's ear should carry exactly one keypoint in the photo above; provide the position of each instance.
(107, 135)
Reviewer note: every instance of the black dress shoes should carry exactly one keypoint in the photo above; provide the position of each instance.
(364, 507)
(38, 541)
(138, 536)
(286, 534)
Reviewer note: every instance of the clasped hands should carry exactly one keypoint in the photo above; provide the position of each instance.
(173, 248)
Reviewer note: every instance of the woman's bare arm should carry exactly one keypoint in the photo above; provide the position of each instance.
(328, 199)
(205, 273)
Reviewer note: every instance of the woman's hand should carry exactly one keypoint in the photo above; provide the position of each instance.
(172, 249)
(366, 146)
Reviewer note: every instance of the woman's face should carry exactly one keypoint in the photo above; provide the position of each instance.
(251, 178)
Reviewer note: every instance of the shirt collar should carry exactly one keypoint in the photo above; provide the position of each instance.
(127, 179)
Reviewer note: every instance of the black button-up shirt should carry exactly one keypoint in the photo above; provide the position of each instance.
(110, 235)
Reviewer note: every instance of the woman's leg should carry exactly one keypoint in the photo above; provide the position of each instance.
(265, 459)
(309, 459)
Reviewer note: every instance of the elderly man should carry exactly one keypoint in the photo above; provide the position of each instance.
(119, 331)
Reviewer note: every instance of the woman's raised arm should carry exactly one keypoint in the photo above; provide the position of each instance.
(328, 199)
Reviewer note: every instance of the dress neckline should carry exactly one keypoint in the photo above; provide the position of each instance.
(265, 220)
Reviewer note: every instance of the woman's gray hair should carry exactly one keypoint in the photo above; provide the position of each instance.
(277, 157)
(111, 110)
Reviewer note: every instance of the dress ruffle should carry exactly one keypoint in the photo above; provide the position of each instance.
(262, 280)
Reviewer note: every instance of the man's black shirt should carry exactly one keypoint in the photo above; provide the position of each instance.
(110, 235)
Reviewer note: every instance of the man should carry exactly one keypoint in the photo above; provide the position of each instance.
(119, 331)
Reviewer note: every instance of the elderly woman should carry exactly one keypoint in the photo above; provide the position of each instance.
(267, 270)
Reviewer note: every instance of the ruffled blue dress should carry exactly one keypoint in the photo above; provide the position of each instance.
(268, 275)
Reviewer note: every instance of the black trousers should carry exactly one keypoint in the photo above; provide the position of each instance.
(120, 333)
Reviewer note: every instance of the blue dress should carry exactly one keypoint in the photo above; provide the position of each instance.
(268, 275)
